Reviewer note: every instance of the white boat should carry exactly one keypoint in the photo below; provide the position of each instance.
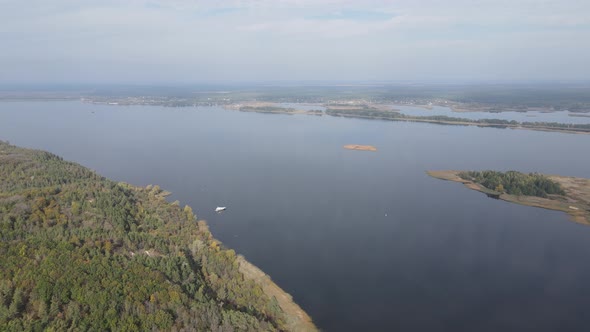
(220, 208)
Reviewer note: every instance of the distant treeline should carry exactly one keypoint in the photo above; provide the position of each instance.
(515, 183)
(395, 115)
(267, 109)
(365, 112)
(277, 109)
(491, 97)
(578, 127)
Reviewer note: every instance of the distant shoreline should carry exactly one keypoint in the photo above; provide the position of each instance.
(353, 112)
(374, 111)
(460, 123)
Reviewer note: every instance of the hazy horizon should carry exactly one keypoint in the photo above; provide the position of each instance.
(226, 42)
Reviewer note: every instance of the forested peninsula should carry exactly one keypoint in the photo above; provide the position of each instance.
(561, 193)
(81, 252)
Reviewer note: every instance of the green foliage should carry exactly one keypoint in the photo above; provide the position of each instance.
(515, 183)
(80, 252)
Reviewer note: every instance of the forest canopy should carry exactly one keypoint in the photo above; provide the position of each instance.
(515, 183)
(78, 250)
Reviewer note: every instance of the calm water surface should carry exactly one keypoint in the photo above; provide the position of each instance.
(363, 241)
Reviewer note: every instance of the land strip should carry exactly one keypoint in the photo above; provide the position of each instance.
(575, 201)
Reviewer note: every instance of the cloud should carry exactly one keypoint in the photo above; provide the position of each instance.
(315, 39)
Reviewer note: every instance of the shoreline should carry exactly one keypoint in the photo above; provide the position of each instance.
(273, 108)
(297, 319)
(459, 123)
(576, 202)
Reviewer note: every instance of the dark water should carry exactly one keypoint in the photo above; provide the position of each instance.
(363, 241)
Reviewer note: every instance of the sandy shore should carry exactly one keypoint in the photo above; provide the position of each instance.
(297, 319)
(360, 147)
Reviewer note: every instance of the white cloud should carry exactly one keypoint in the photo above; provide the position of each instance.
(183, 39)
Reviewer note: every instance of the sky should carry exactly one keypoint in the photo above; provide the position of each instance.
(184, 41)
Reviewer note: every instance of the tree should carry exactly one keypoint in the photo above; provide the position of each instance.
(190, 215)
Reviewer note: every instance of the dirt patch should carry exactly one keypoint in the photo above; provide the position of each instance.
(360, 147)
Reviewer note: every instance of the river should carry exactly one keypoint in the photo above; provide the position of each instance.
(364, 241)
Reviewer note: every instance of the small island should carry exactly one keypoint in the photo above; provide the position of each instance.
(380, 112)
(561, 193)
(360, 147)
